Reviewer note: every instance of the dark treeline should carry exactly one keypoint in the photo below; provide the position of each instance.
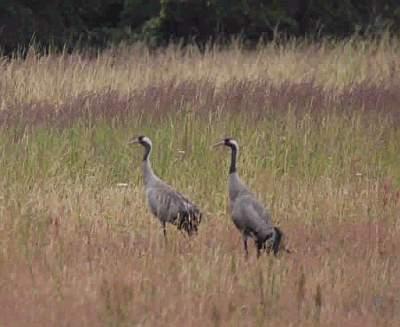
(101, 22)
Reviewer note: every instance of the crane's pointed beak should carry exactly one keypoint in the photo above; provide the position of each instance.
(218, 144)
(135, 140)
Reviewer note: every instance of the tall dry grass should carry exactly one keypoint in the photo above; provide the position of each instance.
(319, 136)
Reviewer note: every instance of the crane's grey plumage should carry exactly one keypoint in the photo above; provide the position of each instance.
(248, 215)
(168, 205)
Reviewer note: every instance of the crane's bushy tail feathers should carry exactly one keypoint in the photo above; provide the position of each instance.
(277, 243)
(189, 222)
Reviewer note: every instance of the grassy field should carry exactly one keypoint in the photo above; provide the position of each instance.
(318, 126)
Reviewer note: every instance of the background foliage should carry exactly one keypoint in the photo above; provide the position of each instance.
(99, 22)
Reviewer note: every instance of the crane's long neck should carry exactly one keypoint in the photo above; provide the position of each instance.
(235, 185)
(147, 152)
(148, 172)
(234, 153)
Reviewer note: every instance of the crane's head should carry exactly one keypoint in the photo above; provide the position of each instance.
(142, 140)
(230, 142)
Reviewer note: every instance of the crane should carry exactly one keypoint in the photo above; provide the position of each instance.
(165, 203)
(248, 214)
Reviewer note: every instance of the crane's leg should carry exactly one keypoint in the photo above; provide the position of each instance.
(259, 247)
(246, 250)
(164, 227)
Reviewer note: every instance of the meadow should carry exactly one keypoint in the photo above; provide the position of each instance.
(318, 129)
